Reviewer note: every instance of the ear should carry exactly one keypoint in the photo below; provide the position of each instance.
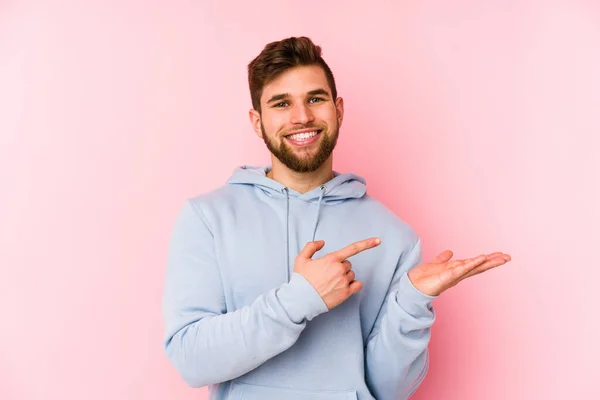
(339, 106)
(255, 121)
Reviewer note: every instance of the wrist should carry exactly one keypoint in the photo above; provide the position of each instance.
(420, 286)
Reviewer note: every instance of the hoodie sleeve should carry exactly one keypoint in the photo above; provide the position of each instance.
(204, 342)
(397, 357)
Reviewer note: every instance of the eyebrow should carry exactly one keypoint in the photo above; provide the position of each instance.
(282, 96)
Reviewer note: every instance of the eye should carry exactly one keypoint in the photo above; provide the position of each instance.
(279, 105)
(316, 98)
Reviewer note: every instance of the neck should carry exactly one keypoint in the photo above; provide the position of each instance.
(301, 182)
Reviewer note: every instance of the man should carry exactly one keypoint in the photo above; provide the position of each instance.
(261, 300)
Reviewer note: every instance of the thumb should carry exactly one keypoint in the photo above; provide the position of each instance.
(311, 248)
(443, 257)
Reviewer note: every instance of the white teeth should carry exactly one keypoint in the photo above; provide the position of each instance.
(303, 136)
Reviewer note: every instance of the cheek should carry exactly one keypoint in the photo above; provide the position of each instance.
(274, 124)
(328, 114)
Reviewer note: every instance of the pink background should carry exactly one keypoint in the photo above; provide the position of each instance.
(476, 123)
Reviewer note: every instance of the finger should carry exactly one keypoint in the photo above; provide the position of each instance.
(499, 254)
(457, 263)
(351, 275)
(355, 286)
(462, 267)
(311, 248)
(356, 248)
(443, 257)
(493, 263)
(348, 265)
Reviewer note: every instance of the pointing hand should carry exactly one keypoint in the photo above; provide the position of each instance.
(332, 275)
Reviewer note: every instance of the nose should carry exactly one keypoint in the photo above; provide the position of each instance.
(301, 114)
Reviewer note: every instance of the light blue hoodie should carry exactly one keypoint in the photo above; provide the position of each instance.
(240, 320)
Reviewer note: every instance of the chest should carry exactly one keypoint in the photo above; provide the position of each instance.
(256, 250)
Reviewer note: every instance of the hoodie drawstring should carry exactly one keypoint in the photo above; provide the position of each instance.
(323, 190)
(287, 225)
(287, 234)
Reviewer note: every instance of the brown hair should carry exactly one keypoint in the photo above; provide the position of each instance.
(277, 57)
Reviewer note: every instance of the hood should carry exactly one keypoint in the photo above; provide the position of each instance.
(338, 189)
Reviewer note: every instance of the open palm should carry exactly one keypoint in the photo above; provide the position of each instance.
(439, 275)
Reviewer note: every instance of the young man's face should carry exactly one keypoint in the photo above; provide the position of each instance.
(299, 100)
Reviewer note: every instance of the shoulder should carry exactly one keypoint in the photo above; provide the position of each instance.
(218, 196)
(388, 221)
(206, 206)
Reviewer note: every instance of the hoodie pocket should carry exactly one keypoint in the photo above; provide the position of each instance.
(244, 391)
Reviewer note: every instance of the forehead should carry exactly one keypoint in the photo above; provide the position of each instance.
(297, 81)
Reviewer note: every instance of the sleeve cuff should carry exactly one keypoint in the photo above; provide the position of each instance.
(300, 299)
(412, 300)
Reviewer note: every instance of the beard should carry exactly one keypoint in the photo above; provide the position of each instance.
(310, 161)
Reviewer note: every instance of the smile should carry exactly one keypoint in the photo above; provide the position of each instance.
(304, 138)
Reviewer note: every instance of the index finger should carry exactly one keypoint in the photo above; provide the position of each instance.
(356, 248)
